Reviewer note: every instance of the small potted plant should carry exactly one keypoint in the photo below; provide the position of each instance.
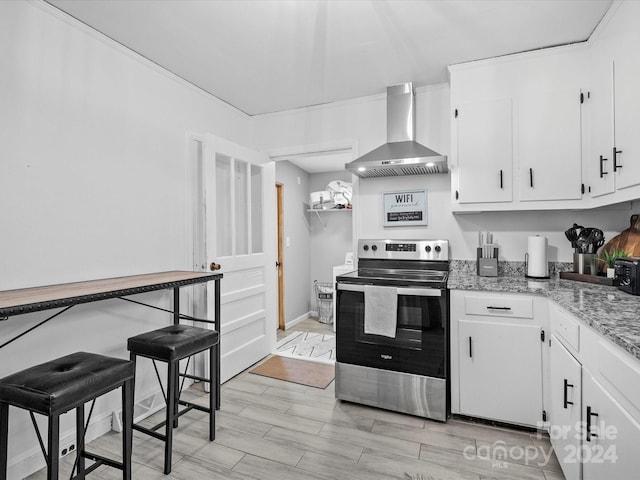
(610, 259)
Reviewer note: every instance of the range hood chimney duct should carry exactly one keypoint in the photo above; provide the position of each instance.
(401, 155)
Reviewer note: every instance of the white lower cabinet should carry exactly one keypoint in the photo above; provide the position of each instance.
(610, 447)
(496, 356)
(565, 383)
(500, 371)
(588, 386)
(593, 387)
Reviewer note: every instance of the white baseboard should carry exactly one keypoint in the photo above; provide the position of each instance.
(141, 410)
(295, 321)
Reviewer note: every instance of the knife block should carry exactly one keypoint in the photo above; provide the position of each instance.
(487, 267)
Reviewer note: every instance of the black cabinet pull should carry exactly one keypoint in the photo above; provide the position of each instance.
(615, 159)
(602, 172)
(470, 349)
(566, 385)
(531, 177)
(588, 429)
(498, 308)
(501, 185)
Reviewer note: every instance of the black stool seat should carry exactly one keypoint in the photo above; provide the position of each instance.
(172, 343)
(62, 384)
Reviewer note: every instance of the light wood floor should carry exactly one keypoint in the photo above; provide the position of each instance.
(311, 324)
(273, 430)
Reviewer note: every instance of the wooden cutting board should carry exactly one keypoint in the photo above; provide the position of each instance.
(628, 240)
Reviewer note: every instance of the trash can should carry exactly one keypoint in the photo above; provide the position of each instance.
(324, 301)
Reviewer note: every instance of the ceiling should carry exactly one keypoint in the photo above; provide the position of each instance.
(265, 56)
(321, 162)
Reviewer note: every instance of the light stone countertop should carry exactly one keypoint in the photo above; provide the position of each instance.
(612, 312)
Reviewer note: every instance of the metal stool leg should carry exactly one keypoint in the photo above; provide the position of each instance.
(171, 398)
(80, 447)
(216, 350)
(53, 447)
(4, 439)
(127, 428)
(213, 392)
(176, 395)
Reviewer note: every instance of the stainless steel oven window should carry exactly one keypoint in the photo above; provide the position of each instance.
(418, 316)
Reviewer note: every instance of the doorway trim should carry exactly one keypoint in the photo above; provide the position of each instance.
(318, 149)
(280, 253)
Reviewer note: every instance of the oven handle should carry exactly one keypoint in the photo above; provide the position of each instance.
(417, 292)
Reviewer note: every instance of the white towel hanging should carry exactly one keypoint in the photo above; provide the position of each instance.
(380, 310)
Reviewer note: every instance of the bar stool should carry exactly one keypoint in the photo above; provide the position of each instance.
(172, 344)
(60, 385)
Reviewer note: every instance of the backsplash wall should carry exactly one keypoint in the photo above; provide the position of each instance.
(510, 229)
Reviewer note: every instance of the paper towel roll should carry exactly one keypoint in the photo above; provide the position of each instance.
(537, 264)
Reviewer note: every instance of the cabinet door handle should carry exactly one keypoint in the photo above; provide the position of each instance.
(566, 385)
(531, 177)
(588, 429)
(602, 172)
(470, 348)
(498, 308)
(615, 159)
(501, 184)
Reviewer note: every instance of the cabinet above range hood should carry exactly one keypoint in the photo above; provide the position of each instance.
(401, 155)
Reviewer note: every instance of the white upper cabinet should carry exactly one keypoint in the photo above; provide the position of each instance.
(613, 160)
(599, 163)
(557, 128)
(485, 150)
(627, 97)
(517, 131)
(549, 146)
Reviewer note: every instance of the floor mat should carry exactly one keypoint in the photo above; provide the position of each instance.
(315, 347)
(312, 374)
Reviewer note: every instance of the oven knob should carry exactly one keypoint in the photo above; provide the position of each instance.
(428, 248)
(366, 247)
(374, 248)
(438, 248)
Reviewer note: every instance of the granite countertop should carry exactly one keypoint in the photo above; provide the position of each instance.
(612, 312)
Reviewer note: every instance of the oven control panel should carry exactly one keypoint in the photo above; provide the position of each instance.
(404, 249)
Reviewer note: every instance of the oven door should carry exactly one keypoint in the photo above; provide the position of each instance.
(421, 339)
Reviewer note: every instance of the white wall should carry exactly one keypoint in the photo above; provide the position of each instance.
(364, 121)
(93, 184)
(296, 229)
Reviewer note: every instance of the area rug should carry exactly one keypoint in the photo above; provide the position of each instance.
(312, 374)
(314, 347)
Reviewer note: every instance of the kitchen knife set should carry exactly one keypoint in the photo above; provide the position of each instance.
(487, 262)
(486, 247)
(585, 240)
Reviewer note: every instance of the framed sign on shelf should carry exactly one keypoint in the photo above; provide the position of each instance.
(404, 208)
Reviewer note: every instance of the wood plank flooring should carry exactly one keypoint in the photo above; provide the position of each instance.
(268, 429)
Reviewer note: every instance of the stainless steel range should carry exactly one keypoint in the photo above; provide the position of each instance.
(392, 328)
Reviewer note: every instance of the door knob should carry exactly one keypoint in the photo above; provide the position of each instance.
(215, 266)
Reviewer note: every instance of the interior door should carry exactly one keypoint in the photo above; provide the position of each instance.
(240, 243)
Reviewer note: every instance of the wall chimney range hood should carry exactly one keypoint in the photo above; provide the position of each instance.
(401, 155)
